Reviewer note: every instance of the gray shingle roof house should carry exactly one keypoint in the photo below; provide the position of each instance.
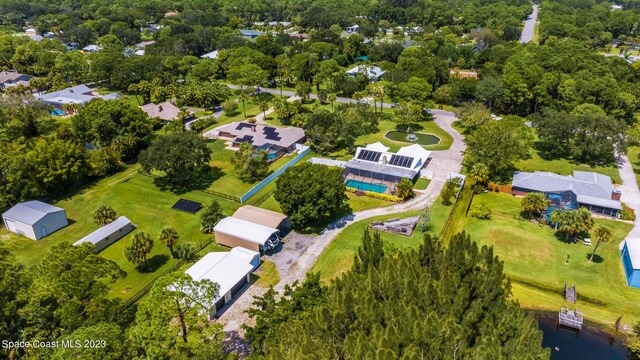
(34, 219)
(13, 78)
(583, 188)
(108, 234)
(275, 140)
(80, 95)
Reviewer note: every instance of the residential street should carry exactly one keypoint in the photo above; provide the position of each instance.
(529, 26)
(441, 164)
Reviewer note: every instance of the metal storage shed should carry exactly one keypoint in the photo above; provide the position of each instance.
(108, 234)
(233, 232)
(34, 219)
(261, 216)
(230, 270)
(630, 252)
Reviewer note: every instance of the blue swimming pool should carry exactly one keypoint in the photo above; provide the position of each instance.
(366, 186)
(57, 112)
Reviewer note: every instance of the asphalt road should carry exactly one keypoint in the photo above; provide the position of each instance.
(529, 26)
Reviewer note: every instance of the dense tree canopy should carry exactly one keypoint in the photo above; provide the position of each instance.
(460, 309)
(310, 194)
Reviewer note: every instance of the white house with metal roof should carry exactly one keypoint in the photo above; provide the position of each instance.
(34, 219)
(375, 163)
(211, 55)
(630, 252)
(233, 232)
(584, 188)
(230, 270)
(373, 73)
(108, 234)
(80, 95)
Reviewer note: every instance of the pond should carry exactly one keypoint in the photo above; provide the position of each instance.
(414, 138)
(588, 344)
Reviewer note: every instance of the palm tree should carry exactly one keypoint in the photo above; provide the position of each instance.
(535, 203)
(104, 215)
(331, 98)
(573, 222)
(169, 237)
(603, 233)
(243, 97)
(140, 247)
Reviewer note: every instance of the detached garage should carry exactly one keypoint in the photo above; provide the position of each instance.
(230, 270)
(233, 232)
(630, 252)
(264, 217)
(34, 219)
(108, 234)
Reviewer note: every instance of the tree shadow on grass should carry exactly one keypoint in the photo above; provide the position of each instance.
(153, 264)
(196, 181)
(337, 221)
(596, 258)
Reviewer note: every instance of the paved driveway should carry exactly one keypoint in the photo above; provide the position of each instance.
(529, 26)
(630, 191)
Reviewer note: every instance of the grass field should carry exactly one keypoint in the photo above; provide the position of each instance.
(338, 256)
(267, 274)
(421, 184)
(563, 167)
(535, 260)
(136, 197)
(226, 178)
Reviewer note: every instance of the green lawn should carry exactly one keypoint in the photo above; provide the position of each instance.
(421, 184)
(338, 256)
(226, 178)
(136, 197)
(536, 262)
(267, 274)
(563, 167)
(633, 153)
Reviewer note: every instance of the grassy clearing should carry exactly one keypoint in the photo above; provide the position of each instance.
(421, 184)
(226, 179)
(535, 260)
(564, 167)
(338, 256)
(267, 274)
(633, 153)
(136, 197)
(359, 203)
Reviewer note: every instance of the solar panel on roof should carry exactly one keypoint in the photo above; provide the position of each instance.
(268, 129)
(187, 206)
(272, 136)
(243, 125)
(402, 161)
(368, 155)
(246, 138)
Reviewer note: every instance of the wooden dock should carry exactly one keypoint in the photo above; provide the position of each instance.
(570, 293)
(570, 318)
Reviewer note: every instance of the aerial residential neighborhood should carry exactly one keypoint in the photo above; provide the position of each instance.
(320, 180)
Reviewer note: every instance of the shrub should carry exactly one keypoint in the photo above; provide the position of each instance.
(210, 216)
(376, 195)
(252, 120)
(185, 252)
(627, 213)
(482, 212)
(229, 107)
(405, 189)
(208, 112)
(202, 123)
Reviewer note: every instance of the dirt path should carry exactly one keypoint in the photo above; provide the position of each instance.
(441, 164)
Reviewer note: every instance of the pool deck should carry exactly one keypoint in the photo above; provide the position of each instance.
(390, 185)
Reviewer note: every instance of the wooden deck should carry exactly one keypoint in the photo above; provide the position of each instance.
(571, 319)
(570, 293)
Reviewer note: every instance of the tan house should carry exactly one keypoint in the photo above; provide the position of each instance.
(164, 111)
(261, 216)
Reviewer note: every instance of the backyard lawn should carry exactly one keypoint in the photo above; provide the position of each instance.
(338, 256)
(226, 178)
(136, 197)
(535, 260)
(563, 167)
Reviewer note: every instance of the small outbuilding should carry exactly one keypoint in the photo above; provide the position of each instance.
(34, 219)
(108, 234)
(233, 232)
(264, 217)
(230, 270)
(630, 252)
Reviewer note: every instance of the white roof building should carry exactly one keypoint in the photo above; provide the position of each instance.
(234, 232)
(211, 55)
(377, 146)
(230, 270)
(34, 219)
(373, 73)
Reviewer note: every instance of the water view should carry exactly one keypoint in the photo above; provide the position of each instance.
(587, 344)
